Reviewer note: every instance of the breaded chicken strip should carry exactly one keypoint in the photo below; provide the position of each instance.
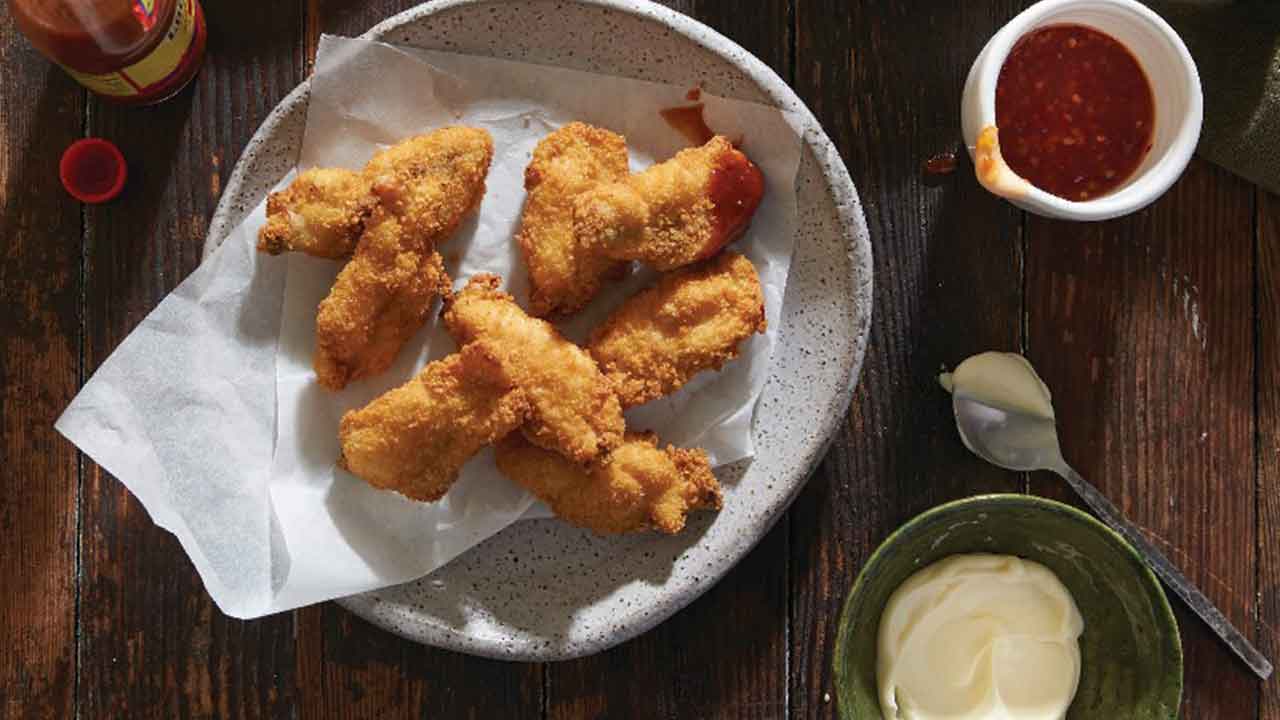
(676, 212)
(636, 487)
(414, 439)
(689, 321)
(574, 409)
(563, 276)
(425, 187)
(321, 213)
(377, 303)
(433, 180)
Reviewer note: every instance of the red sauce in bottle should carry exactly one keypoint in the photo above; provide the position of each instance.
(1075, 111)
(134, 51)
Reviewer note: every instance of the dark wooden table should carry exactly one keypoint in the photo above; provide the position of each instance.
(1159, 333)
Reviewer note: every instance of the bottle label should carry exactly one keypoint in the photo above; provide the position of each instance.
(151, 74)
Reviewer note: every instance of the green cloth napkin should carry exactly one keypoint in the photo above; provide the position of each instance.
(1236, 46)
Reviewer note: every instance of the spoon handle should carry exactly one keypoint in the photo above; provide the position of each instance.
(1167, 572)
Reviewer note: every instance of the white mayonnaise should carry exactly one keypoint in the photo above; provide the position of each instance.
(1002, 380)
(979, 637)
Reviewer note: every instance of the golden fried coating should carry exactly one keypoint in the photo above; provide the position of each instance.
(321, 213)
(414, 439)
(638, 486)
(563, 276)
(689, 321)
(676, 212)
(575, 411)
(425, 187)
(433, 180)
(377, 303)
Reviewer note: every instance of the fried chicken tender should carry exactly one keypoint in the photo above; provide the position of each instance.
(321, 213)
(563, 275)
(435, 179)
(574, 409)
(425, 187)
(415, 439)
(638, 486)
(689, 321)
(676, 212)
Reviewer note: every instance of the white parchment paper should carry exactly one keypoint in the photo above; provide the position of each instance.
(208, 412)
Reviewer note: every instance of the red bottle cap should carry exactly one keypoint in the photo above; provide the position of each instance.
(93, 170)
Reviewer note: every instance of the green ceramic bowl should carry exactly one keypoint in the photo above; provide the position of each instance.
(1131, 655)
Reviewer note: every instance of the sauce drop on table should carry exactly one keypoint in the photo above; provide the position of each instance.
(1075, 111)
(940, 164)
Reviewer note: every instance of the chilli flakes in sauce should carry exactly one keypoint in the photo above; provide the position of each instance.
(1075, 111)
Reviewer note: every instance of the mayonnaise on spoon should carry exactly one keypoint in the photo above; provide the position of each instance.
(1004, 414)
(1001, 380)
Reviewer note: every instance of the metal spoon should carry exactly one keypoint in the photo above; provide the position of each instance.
(1023, 442)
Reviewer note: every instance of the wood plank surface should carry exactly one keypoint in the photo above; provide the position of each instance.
(153, 645)
(1143, 328)
(724, 656)
(947, 284)
(1158, 332)
(40, 243)
(1268, 408)
(350, 669)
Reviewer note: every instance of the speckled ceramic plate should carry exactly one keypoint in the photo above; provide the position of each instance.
(541, 590)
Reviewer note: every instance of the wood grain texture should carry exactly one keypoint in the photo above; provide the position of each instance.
(1143, 328)
(1159, 333)
(152, 643)
(1268, 388)
(885, 79)
(725, 655)
(40, 243)
(346, 17)
(349, 669)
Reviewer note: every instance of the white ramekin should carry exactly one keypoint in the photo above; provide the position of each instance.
(1179, 105)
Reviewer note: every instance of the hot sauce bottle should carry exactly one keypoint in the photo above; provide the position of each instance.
(131, 51)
